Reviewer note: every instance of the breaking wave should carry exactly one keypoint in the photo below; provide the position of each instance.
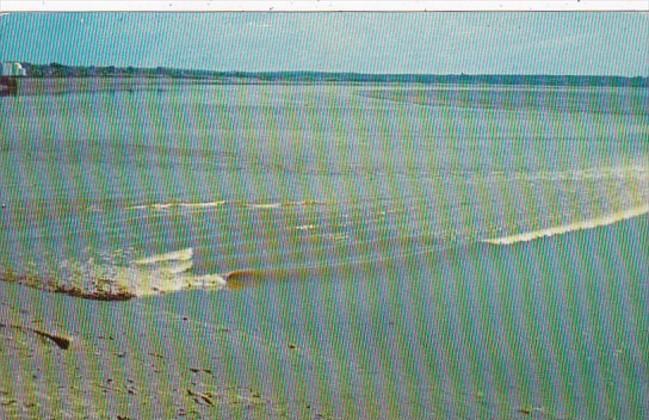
(215, 204)
(149, 276)
(182, 255)
(181, 205)
(277, 205)
(572, 227)
(639, 172)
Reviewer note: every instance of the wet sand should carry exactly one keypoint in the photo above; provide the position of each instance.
(105, 372)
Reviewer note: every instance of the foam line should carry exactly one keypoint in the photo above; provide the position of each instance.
(167, 206)
(572, 227)
(181, 255)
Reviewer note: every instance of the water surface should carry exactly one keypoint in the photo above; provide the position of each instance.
(431, 249)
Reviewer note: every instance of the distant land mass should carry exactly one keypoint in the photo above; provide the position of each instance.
(56, 70)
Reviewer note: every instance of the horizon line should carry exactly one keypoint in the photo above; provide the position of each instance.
(324, 72)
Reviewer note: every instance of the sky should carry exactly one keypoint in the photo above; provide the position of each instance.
(424, 43)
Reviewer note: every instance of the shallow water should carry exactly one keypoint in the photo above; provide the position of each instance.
(294, 177)
(370, 225)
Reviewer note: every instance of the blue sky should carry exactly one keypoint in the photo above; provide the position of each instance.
(441, 43)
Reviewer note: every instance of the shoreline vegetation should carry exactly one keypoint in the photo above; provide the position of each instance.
(57, 71)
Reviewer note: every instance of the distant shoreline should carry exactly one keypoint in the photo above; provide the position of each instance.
(57, 71)
(55, 85)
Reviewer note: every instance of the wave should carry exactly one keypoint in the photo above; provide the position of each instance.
(150, 276)
(172, 205)
(572, 227)
(265, 206)
(215, 204)
(638, 172)
(181, 255)
(285, 204)
(164, 273)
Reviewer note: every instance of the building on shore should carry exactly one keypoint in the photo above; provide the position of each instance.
(12, 69)
(9, 74)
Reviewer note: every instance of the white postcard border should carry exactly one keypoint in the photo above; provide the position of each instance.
(321, 6)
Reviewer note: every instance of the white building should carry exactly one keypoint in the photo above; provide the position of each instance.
(13, 69)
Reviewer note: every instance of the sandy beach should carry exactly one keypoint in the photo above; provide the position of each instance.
(106, 372)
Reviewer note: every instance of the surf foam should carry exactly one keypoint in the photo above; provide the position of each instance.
(167, 272)
(182, 205)
(286, 204)
(214, 204)
(108, 280)
(559, 230)
(265, 206)
(181, 255)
